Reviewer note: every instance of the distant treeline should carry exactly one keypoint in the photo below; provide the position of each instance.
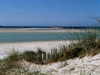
(65, 27)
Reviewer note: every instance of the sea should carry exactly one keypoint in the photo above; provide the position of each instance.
(39, 36)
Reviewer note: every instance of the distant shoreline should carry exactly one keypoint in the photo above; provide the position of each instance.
(64, 27)
(41, 30)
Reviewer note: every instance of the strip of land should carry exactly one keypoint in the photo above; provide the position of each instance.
(41, 30)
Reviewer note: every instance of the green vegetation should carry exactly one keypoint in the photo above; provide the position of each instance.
(10, 62)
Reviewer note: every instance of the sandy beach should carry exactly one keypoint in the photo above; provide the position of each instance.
(6, 48)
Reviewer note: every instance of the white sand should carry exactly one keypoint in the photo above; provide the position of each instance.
(6, 48)
(84, 66)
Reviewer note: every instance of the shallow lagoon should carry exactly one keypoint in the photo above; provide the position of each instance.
(36, 34)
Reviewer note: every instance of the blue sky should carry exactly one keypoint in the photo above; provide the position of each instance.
(48, 12)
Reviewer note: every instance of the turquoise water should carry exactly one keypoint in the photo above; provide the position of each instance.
(36, 36)
(32, 36)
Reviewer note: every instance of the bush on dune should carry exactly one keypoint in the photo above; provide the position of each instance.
(11, 62)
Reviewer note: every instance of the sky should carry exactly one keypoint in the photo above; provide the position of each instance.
(48, 12)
